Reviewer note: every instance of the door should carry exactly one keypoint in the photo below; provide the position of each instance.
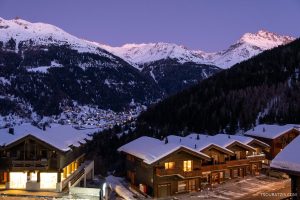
(192, 185)
(164, 190)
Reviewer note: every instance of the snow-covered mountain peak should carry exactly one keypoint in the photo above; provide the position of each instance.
(248, 45)
(44, 34)
(265, 39)
(150, 52)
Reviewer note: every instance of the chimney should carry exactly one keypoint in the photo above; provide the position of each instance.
(166, 140)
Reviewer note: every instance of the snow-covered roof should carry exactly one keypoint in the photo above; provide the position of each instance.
(270, 131)
(59, 136)
(289, 158)
(220, 140)
(151, 150)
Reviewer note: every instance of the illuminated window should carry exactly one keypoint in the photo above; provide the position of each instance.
(187, 165)
(17, 180)
(33, 176)
(48, 180)
(169, 165)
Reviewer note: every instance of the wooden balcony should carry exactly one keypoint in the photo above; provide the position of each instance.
(233, 163)
(213, 167)
(259, 157)
(178, 171)
(29, 164)
(216, 167)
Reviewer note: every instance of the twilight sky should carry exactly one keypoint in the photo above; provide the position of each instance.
(209, 25)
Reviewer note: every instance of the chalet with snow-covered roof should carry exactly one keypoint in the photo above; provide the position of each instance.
(288, 161)
(42, 160)
(182, 164)
(277, 136)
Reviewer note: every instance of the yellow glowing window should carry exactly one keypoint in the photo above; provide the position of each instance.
(187, 165)
(169, 165)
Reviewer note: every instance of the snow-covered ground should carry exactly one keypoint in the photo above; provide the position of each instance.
(239, 189)
(232, 189)
(122, 188)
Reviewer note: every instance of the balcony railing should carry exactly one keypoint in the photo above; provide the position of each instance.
(256, 157)
(29, 164)
(211, 167)
(178, 171)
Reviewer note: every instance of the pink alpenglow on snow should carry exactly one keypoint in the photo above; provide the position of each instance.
(248, 46)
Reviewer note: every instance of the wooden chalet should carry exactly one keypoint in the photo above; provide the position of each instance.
(276, 136)
(182, 164)
(30, 162)
(288, 161)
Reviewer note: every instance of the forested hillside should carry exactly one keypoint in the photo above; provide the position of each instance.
(46, 78)
(262, 89)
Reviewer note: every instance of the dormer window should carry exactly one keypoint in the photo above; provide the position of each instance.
(169, 165)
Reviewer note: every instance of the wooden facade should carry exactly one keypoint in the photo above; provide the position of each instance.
(184, 171)
(36, 161)
(278, 143)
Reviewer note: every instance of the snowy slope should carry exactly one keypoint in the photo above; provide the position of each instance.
(249, 45)
(58, 64)
(138, 54)
(44, 34)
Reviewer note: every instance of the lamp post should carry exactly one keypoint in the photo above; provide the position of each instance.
(103, 194)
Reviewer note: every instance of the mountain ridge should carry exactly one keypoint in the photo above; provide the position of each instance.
(250, 44)
(263, 89)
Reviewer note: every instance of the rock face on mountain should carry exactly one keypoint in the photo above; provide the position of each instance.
(43, 68)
